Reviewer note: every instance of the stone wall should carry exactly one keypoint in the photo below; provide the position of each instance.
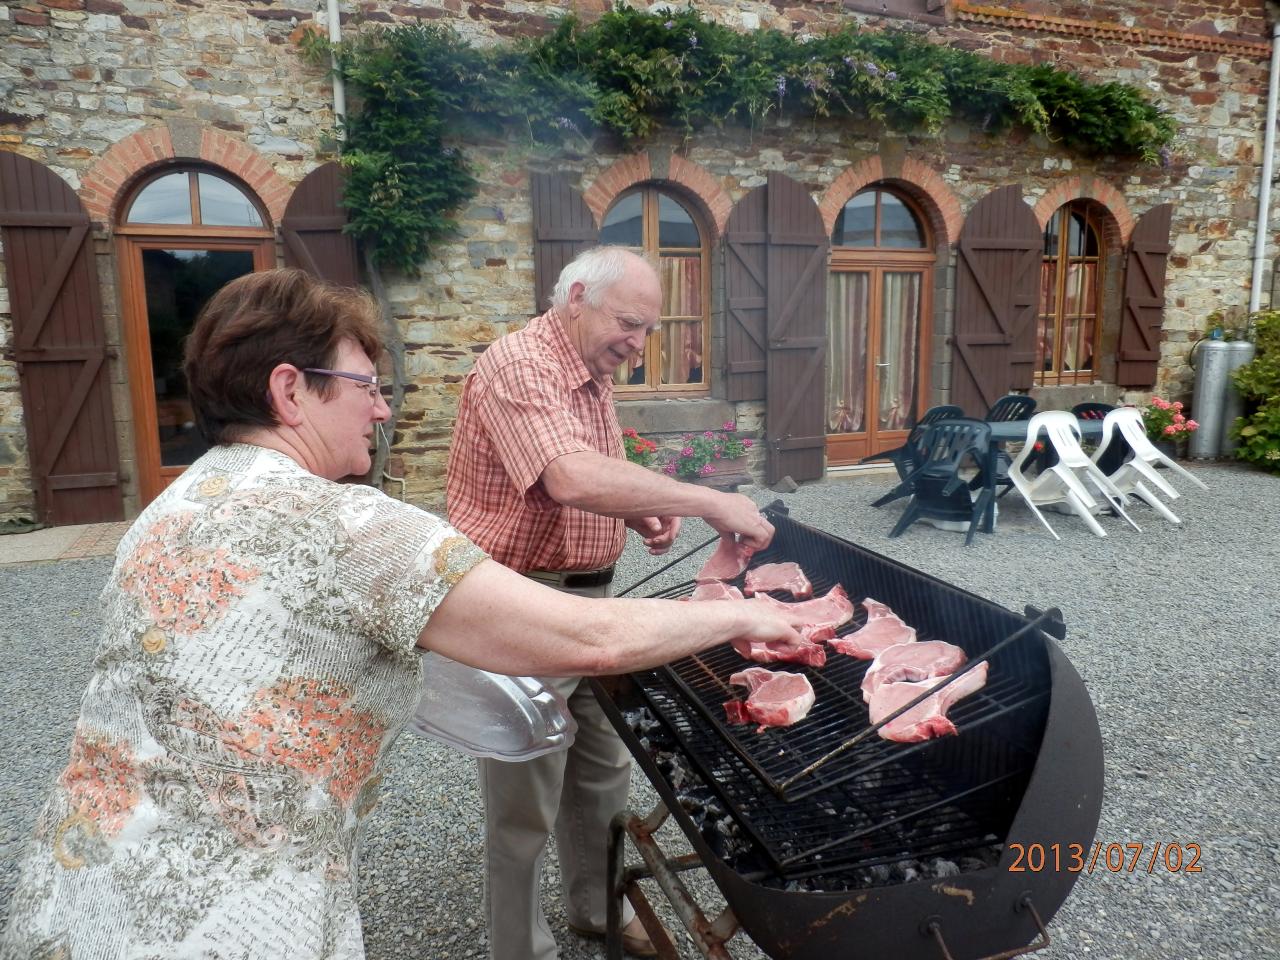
(84, 82)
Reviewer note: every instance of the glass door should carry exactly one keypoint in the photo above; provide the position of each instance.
(168, 282)
(875, 363)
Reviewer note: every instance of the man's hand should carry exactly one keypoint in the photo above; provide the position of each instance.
(659, 533)
(737, 514)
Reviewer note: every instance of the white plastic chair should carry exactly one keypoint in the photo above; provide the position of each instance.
(1133, 475)
(1067, 481)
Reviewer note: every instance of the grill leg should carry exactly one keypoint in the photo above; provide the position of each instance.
(708, 937)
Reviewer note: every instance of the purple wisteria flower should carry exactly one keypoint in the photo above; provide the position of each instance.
(693, 40)
(669, 24)
(781, 84)
(871, 69)
(851, 63)
(891, 75)
(1166, 157)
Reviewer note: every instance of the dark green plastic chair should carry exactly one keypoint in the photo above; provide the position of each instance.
(935, 486)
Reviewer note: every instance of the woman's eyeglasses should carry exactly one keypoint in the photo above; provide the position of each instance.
(370, 381)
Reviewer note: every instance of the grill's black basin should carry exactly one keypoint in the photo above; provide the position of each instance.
(1026, 768)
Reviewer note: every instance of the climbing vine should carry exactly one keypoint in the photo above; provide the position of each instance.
(420, 90)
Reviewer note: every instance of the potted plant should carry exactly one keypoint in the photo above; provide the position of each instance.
(712, 454)
(1166, 424)
(639, 449)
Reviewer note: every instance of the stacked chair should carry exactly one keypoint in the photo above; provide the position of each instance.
(1012, 406)
(1114, 453)
(937, 491)
(1073, 479)
(901, 456)
(1123, 426)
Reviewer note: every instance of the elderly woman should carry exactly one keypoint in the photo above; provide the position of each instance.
(259, 656)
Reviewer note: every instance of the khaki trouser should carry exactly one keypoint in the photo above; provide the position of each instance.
(576, 793)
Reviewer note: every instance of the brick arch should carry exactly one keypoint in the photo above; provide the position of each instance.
(1117, 225)
(693, 180)
(919, 181)
(103, 185)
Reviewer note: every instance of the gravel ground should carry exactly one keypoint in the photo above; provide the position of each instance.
(1173, 630)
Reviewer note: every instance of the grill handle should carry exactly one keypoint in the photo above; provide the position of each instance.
(1052, 625)
(934, 926)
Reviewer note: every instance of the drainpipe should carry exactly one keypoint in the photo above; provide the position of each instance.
(1268, 160)
(340, 87)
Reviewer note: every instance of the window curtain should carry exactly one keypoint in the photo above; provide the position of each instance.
(847, 306)
(681, 279)
(900, 317)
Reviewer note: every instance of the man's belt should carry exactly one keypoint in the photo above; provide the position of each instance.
(573, 578)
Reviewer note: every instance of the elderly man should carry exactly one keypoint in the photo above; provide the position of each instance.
(537, 477)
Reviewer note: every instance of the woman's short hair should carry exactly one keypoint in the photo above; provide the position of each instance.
(597, 270)
(258, 321)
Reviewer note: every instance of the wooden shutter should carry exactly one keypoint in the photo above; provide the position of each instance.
(312, 227)
(797, 327)
(997, 289)
(746, 279)
(60, 345)
(1143, 314)
(563, 226)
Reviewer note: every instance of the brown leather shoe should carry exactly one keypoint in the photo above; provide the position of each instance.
(635, 941)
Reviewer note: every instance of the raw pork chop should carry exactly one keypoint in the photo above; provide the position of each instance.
(912, 661)
(929, 718)
(729, 560)
(715, 590)
(811, 653)
(882, 630)
(778, 576)
(776, 699)
(830, 610)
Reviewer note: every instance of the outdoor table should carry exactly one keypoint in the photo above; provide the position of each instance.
(1005, 430)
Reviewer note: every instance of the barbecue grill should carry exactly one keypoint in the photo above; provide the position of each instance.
(827, 841)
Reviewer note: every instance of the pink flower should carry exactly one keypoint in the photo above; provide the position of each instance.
(1177, 404)
(747, 442)
(1170, 430)
(1192, 425)
(670, 468)
(1159, 404)
(687, 452)
(730, 425)
(708, 434)
(716, 454)
(687, 436)
(1179, 418)
(707, 470)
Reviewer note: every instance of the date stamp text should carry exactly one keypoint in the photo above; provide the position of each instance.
(1111, 857)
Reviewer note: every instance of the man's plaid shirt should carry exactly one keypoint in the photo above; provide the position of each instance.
(529, 400)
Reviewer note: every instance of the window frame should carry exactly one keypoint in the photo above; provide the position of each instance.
(123, 227)
(650, 249)
(1063, 260)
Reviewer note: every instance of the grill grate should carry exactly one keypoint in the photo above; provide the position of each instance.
(880, 801)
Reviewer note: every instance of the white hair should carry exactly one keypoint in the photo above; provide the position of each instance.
(597, 270)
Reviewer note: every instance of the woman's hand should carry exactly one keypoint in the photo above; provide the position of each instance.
(765, 626)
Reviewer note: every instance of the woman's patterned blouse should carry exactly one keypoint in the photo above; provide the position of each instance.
(258, 657)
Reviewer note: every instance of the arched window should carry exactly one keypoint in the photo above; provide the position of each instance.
(182, 233)
(878, 305)
(663, 227)
(1070, 329)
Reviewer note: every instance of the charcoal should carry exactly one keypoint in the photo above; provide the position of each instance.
(945, 868)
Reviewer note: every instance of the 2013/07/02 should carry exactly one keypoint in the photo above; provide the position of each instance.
(1114, 857)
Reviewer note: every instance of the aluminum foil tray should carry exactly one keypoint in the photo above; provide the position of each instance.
(488, 714)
